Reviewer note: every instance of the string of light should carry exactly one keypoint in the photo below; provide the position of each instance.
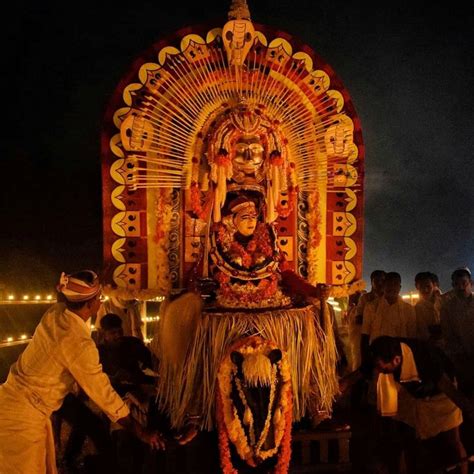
(11, 340)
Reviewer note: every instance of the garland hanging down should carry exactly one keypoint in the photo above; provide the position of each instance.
(254, 362)
(311, 353)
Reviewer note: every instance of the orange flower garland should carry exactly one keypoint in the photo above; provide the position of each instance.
(202, 212)
(259, 246)
(224, 446)
(286, 211)
(230, 426)
(284, 457)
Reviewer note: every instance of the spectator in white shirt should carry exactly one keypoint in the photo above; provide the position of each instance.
(389, 315)
(427, 308)
(60, 353)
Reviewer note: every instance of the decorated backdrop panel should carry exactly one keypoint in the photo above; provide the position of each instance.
(159, 152)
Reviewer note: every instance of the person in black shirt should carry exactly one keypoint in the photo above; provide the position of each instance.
(123, 358)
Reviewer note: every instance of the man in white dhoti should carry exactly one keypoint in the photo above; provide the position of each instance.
(60, 354)
(417, 386)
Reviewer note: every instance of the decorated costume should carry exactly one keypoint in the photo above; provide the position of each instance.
(232, 167)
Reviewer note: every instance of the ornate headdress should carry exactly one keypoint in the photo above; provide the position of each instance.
(241, 203)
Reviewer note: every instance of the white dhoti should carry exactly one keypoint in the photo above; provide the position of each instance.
(26, 436)
(429, 416)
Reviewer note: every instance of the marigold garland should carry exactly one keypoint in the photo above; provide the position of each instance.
(264, 295)
(283, 463)
(224, 446)
(230, 426)
(202, 212)
(286, 211)
(259, 247)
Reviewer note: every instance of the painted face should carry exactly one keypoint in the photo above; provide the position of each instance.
(248, 157)
(246, 221)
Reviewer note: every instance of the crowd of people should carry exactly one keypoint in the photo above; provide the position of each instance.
(409, 374)
(412, 368)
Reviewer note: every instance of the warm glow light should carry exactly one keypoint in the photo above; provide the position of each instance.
(11, 297)
(10, 339)
(26, 297)
(158, 298)
(406, 297)
(37, 297)
(49, 297)
(150, 319)
(23, 337)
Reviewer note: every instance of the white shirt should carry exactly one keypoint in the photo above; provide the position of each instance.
(384, 319)
(60, 353)
(427, 314)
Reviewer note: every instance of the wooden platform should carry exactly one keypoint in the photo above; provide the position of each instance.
(321, 451)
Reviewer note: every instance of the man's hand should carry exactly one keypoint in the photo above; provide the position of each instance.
(343, 386)
(187, 435)
(154, 439)
(346, 382)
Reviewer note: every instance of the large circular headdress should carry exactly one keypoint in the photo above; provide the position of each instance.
(171, 126)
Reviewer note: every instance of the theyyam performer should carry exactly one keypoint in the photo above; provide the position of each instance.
(232, 169)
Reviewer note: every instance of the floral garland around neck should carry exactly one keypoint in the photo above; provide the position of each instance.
(257, 250)
(260, 250)
(230, 428)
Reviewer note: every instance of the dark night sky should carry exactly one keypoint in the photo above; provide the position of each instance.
(408, 68)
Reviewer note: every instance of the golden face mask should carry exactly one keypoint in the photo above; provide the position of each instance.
(248, 157)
